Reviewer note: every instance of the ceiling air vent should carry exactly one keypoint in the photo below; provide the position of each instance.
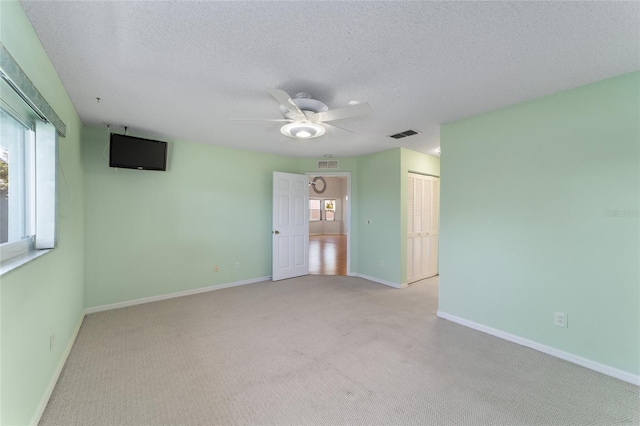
(328, 164)
(404, 134)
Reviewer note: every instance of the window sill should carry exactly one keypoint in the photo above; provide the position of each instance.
(13, 263)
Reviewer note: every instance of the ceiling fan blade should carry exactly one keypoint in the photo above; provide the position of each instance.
(341, 113)
(337, 129)
(287, 120)
(286, 101)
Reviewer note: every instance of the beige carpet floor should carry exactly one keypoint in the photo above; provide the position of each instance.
(318, 350)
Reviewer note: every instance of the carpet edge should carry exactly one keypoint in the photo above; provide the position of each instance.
(150, 299)
(557, 353)
(56, 374)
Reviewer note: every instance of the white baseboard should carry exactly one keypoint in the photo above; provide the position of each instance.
(56, 374)
(379, 281)
(172, 295)
(592, 365)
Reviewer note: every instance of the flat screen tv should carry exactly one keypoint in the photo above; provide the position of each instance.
(129, 152)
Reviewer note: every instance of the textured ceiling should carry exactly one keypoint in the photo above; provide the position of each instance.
(181, 70)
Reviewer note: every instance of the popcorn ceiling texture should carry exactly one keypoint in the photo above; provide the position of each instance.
(181, 70)
(318, 350)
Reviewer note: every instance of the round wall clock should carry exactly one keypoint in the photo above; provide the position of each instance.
(319, 184)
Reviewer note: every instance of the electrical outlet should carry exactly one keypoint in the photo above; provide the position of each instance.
(216, 268)
(560, 319)
(382, 263)
(52, 342)
(237, 266)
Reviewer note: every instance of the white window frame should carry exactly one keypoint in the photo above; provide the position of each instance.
(324, 209)
(323, 215)
(21, 177)
(320, 210)
(24, 103)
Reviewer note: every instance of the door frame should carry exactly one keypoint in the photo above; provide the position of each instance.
(347, 222)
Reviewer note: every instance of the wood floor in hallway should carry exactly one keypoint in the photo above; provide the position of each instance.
(328, 254)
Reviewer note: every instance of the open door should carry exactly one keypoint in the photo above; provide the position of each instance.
(290, 233)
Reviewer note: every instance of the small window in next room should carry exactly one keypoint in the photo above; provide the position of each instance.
(329, 210)
(322, 209)
(314, 210)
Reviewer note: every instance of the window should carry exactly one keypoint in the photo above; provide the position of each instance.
(322, 209)
(329, 210)
(28, 161)
(314, 210)
(16, 177)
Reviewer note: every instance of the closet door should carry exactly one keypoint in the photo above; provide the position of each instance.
(422, 227)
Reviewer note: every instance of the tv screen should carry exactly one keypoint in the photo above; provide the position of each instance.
(136, 153)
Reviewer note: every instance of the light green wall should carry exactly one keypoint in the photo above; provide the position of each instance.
(523, 226)
(346, 164)
(378, 200)
(154, 233)
(417, 162)
(151, 233)
(46, 295)
(411, 162)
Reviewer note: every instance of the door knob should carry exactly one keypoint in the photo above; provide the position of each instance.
(276, 232)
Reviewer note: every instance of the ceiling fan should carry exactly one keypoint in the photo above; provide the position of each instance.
(307, 117)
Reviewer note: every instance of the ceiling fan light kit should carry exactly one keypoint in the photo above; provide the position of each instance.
(308, 117)
(302, 130)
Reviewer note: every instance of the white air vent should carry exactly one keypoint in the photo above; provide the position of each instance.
(331, 164)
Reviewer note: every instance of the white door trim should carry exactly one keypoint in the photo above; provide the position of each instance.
(347, 221)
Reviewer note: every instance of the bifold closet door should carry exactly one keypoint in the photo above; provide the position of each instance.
(422, 227)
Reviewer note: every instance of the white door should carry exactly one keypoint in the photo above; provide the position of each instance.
(290, 233)
(422, 227)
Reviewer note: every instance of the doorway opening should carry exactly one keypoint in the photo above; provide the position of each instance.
(329, 223)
